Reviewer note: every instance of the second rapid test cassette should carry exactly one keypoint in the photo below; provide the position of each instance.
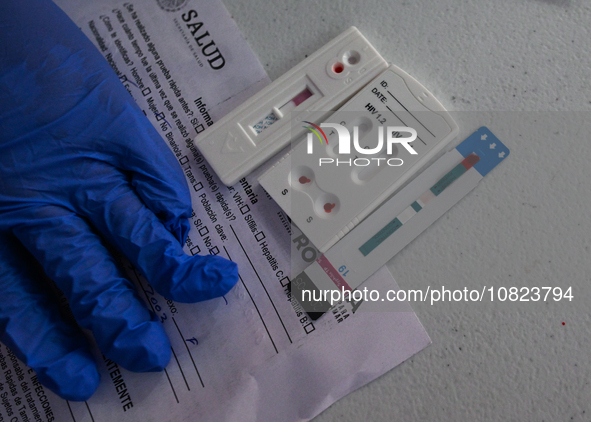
(326, 192)
(259, 128)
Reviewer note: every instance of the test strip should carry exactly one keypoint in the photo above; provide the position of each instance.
(259, 128)
(401, 219)
(418, 205)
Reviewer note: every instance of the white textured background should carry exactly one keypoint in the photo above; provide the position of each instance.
(523, 68)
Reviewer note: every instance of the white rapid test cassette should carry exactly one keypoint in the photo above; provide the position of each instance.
(327, 193)
(259, 128)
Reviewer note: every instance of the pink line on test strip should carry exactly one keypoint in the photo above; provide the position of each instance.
(301, 97)
(333, 274)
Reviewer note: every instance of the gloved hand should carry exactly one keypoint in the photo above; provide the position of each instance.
(80, 165)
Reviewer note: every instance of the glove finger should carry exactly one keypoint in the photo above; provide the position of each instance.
(156, 174)
(137, 232)
(31, 325)
(100, 297)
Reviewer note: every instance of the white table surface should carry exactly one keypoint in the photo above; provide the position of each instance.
(522, 68)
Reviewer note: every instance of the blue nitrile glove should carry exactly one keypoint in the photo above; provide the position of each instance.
(80, 165)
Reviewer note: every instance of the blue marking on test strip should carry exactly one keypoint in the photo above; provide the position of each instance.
(448, 179)
(416, 206)
(487, 146)
(380, 236)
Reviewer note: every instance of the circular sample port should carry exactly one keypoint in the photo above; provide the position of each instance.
(338, 67)
(351, 57)
(364, 126)
(379, 162)
(327, 205)
(301, 177)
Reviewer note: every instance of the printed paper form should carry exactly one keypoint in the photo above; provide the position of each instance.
(248, 356)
